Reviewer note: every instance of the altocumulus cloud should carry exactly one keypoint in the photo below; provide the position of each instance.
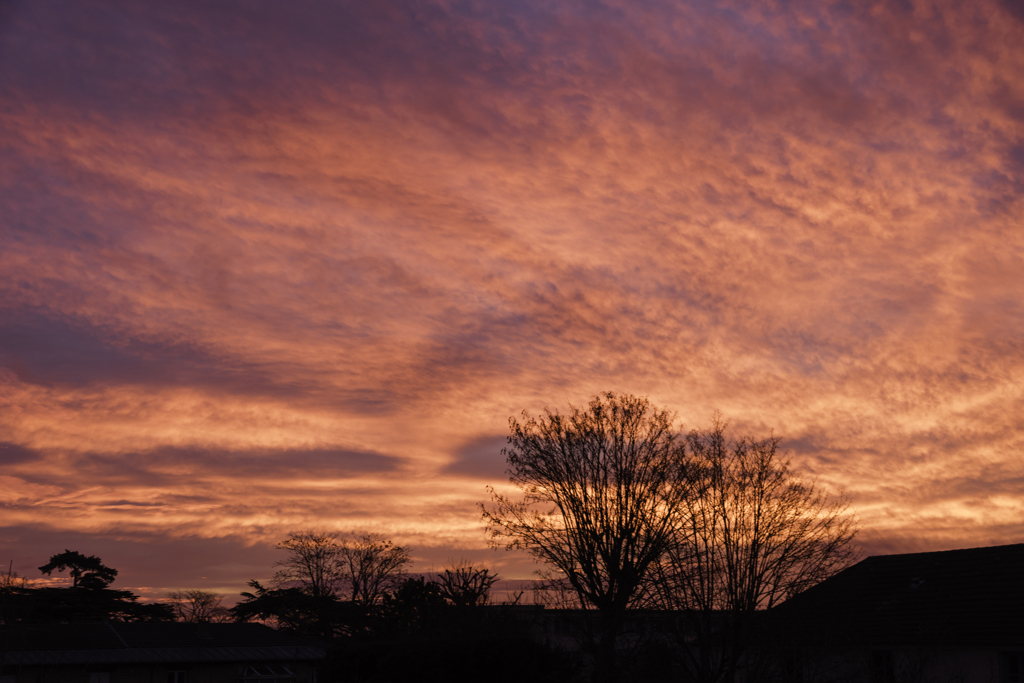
(267, 267)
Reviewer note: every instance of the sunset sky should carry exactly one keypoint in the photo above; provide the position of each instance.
(270, 266)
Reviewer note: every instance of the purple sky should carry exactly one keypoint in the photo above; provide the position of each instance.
(270, 266)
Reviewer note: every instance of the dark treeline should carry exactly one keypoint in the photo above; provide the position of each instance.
(664, 550)
(89, 598)
(346, 591)
(352, 590)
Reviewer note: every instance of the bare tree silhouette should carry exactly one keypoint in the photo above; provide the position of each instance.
(196, 606)
(465, 585)
(312, 563)
(369, 565)
(604, 493)
(755, 536)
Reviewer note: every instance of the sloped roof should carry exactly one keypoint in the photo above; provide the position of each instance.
(167, 642)
(970, 597)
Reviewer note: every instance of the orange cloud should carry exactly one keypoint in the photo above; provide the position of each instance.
(266, 269)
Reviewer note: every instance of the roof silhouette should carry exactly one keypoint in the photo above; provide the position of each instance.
(968, 597)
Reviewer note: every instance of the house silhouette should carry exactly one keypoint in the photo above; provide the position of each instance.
(955, 615)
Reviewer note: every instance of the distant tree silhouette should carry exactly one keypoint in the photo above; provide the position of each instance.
(604, 496)
(755, 536)
(88, 599)
(360, 566)
(313, 563)
(329, 584)
(304, 596)
(465, 585)
(383, 625)
(196, 606)
(288, 609)
(11, 579)
(86, 572)
(13, 588)
(412, 606)
(370, 565)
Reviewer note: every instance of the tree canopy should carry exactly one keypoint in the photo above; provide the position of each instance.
(312, 564)
(755, 535)
(628, 512)
(465, 585)
(328, 583)
(86, 572)
(87, 599)
(603, 493)
(370, 565)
